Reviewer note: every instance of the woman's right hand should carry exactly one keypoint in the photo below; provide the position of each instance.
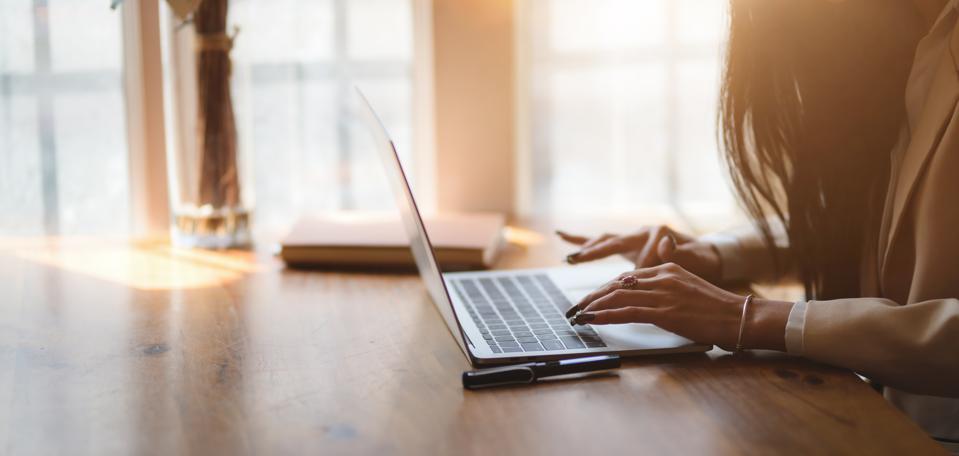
(650, 246)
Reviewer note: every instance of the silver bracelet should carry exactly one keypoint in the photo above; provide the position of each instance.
(742, 323)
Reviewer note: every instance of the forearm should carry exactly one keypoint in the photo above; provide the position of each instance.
(765, 326)
(745, 257)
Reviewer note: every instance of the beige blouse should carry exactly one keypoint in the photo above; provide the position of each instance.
(904, 330)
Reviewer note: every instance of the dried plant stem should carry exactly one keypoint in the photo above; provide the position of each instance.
(216, 128)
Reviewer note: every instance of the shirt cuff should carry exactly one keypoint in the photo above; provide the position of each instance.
(794, 328)
(733, 264)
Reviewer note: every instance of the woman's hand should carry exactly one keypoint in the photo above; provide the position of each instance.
(679, 301)
(649, 247)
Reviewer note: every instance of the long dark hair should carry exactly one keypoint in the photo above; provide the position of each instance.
(812, 103)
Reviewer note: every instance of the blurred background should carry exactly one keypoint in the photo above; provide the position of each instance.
(618, 100)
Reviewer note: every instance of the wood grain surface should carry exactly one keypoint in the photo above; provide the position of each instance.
(111, 347)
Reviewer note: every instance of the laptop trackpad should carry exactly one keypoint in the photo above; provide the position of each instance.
(639, 336)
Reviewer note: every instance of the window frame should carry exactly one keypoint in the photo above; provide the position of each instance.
(146, 123)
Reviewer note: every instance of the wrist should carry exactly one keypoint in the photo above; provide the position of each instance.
(766, 324)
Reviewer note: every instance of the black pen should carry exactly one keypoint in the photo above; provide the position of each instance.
(531, 372)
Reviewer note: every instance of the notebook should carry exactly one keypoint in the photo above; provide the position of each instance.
(461, 241)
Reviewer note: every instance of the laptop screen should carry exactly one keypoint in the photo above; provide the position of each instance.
(412, 221)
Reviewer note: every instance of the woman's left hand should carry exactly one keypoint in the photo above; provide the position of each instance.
(677, 300)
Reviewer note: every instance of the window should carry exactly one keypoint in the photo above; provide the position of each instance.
(63, 150)
(623, 100)
(296, 62)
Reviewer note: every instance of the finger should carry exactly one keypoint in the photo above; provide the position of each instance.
(603, 249)
(649, 255)
(571, 238)
(598, 239)
(618, 316)
(574, 258)
(641, 297)
(665, 248)
(609, 287)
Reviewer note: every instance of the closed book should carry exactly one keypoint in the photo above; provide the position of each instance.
(461, 241)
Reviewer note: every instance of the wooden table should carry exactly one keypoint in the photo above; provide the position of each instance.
(135, 348)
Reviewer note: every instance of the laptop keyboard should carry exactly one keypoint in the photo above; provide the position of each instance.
(523, 313)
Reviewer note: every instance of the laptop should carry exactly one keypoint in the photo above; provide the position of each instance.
(510, 316)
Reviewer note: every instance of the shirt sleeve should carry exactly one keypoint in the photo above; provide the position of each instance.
(795, 325)
(913, 347)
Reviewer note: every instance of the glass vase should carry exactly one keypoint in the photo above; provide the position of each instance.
(210, 197)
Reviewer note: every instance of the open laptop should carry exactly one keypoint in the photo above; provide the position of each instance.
(500, 317)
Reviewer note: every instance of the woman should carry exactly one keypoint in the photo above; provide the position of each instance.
(841, 133)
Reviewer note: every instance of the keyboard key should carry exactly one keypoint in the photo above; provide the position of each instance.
(553, 345)
(538, 326)
(488, 336)
(534, 346)
(504, 339)
(526, 340)
(496, 350)
(572, 342)
(564, 333)
(512, 349)
(522, 333)
(509, 344)
(542, 331)
(546, 337)
(496, 327)
(501, 332)
(595, 344)
(483, 330)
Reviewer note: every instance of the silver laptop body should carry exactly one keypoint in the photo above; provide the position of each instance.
(501, 317)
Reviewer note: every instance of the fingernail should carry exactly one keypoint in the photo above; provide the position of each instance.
(572, 311)
(571, 258)
(584, 317)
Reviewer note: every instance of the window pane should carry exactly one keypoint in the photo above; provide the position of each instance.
(380, 29)
(296, 63)
(700, 21)
(701, 175)
(283, 30)
(21, 207)
(623, 105)
(63, 147)
(92, 173)
(16, 36)
(593, 25)
(595, 121)
(84, 35)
